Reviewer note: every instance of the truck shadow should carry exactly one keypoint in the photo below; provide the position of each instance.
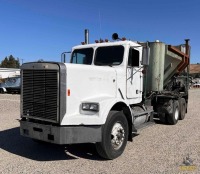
(13, 142)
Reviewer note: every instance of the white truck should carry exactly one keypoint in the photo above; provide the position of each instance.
(107, 92)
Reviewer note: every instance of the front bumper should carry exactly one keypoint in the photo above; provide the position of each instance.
(61, 134)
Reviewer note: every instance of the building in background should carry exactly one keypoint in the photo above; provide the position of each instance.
(9, 72)
(195, 70)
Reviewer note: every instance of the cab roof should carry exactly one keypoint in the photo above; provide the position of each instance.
(94, 45)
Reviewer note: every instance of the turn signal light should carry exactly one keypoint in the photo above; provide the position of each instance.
(68, 92)
(123, 38)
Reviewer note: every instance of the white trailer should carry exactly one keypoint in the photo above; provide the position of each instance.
(8, 77)
(9, 72)
(105, 94)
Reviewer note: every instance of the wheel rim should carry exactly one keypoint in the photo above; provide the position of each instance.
(117, 136)
(176, 114)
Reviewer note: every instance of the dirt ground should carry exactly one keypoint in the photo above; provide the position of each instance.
(158, 149)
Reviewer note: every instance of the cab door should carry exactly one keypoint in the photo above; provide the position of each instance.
(134, 75)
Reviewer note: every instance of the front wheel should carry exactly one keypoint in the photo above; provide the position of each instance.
(114, 136)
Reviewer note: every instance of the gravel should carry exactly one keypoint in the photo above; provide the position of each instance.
(158, 149)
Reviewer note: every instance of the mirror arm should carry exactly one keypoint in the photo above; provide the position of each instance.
(134, 72)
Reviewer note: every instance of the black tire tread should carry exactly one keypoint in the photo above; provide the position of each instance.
(170, 117)
(102, 147)
(182, 112)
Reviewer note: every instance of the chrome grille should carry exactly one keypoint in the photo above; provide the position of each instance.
(40, 94)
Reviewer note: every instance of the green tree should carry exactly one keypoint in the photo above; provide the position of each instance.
(10, 62)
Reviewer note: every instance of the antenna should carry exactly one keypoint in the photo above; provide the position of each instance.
(100, 28)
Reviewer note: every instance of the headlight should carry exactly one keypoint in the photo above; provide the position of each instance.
(90, 107)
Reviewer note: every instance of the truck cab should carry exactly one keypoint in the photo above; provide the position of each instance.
(102, 96)
(105, 74)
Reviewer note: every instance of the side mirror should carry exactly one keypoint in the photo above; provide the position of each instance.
(145, 55)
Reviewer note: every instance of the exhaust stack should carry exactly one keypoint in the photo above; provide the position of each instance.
(86, 36)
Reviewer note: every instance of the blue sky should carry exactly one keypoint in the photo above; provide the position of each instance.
(43, 29)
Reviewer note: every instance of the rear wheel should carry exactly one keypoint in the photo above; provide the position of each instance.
(173, 117)
(114, 136)
(182, 104)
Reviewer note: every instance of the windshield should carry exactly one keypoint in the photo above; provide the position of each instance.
(82, 56)
(112, 55)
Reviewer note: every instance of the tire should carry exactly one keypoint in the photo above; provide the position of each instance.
(164, 111)
(182, 104)
(114, 136)
(173, 117)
